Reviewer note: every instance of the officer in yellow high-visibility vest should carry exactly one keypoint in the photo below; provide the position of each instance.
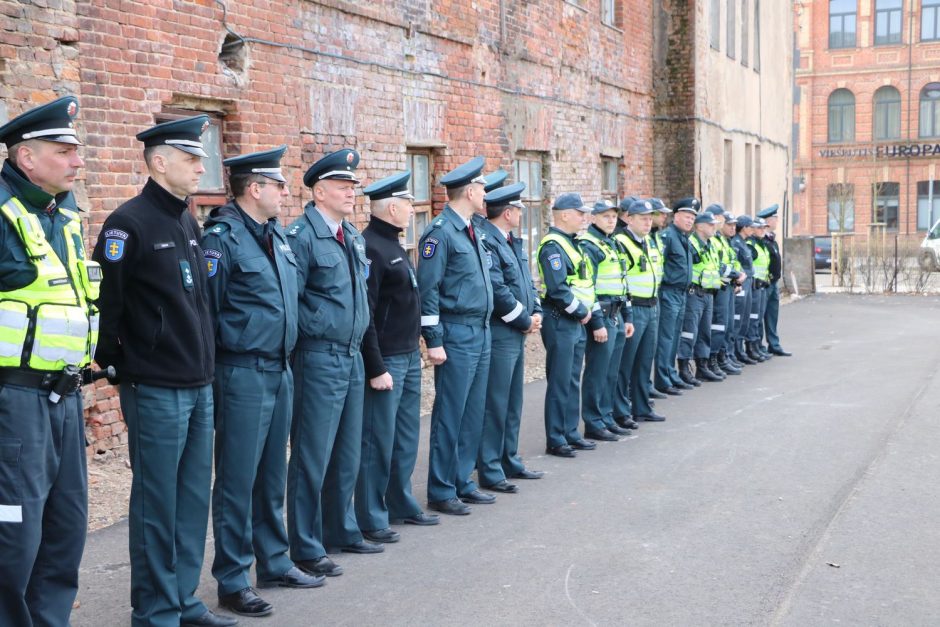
(48, 332)
(759, 301)
(695, 340)
(568, 302)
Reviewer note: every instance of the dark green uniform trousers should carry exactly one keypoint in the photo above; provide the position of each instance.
(742, 309)
(671, 316)
(499, 446)
(564, 340)
(632, 397)
(771, 316)
(723, 304)
(601, 359)
(43, 505)
(170, 444)
(696, 327)
(391, 424)
(326, 441)
(252, 422)
(756, 318)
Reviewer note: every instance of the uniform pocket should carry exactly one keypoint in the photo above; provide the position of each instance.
(11, 510)
(253, 265)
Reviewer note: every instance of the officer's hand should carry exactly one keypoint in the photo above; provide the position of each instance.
(381, 382)
(741, 278)
(628, 329)
(600, 336)
(437, 356)
(586, 318)
(536, 323)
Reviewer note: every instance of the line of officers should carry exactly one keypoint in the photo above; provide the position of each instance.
(243, 336)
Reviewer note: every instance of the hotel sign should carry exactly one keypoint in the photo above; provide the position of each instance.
(888, 151)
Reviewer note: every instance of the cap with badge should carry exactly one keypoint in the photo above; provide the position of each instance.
(690, 204)
(340, 165)
(266, 163)
(659, 206)
(706, 217)
(769, 212)
(394, 186)
(495, 180)
(624, 205)
(602, 206)
(51, 122)
(464, 174)
(510, 195)
(744, 221)
(570, 200)
(185, 134)
(715, 209)
(759, 223)
(640, 207)
(729, 218)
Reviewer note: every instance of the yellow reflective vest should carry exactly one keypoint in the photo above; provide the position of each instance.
(705, 272)
(643, 274)
(579, 279)
(611, 272)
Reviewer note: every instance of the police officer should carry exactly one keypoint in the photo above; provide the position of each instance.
(772, 313)
(158, 330)
(761, 256)
(456, 304)
(632, 396)
(742, 301)
(253, 295)
(677, 276)
(43, 493)
(608, 327)
(569, 302)
(391, 412)
(724, 297)
(728, 232)
(516, 313)
(326, 428)
(695, 341)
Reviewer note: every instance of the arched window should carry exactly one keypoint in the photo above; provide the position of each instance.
(887, 123)
(930, 110)
(841, 116)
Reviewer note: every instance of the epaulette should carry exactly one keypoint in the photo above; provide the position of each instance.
(296, 228)
(217, 228)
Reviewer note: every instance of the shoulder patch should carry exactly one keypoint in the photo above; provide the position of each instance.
(555, 261)
(116, 233)
(213, 259)
(429, 248)
(114, 248)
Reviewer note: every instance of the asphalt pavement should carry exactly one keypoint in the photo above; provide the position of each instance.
(803, 492)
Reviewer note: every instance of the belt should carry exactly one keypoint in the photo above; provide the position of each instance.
(471, 320)
(326, 346)
(250, 360)
(29, 378)
(644, 302)
(611, 309)
(697, 290)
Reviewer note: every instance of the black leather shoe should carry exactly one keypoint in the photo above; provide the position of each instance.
(657, 394)
(422, 519)
(604, 436)
(211, 619)
(528, 474)
(382, 535)
(561, 451)
(244, 603)
(682, 385)
(320, 566)
(650, 417)
(618, 430)
(451, 506)
(362, 547)
(582, 445)
(293, 578)
(477, 498)
(625, 422)
(502, 486)
(780, 352)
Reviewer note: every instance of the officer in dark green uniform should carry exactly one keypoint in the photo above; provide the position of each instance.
(517, 312)
(772, 313)
(724, 297)
(661, 215)
(761, 267)
(727, 353)
(608, 327)
(391, 417)
(158, 330)
(326, 428)
(696, 325)
(742, 300)
(43, 489)
(253, 295)
(569, 302)
(456, 304)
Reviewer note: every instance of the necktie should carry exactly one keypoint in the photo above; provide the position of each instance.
(509, 239)
(470, 231)
(339, 235)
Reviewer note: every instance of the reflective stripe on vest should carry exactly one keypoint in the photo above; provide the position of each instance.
(611, 271)
(582, 287)
(655, 252)
(704, 273)
(761, 262)
(643, 275)
(51, 322)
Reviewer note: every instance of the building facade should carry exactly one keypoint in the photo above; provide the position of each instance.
(867, 105)
(604, 97)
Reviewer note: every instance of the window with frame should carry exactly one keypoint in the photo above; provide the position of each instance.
(745, 24)
(928, 204)
(731, 26)
(419, 162)
(930, 20)
(888, 22)
(884, 204)
(212, 192)
(610, 178)
(714, 22)
(930, 110)
(843, 17)
(609, 13)
(841, 207)
(841, 116)
(887, 123)
(528, 169)
(756, 36)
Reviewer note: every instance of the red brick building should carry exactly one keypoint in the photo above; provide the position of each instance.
(867, 108)
(595, 96)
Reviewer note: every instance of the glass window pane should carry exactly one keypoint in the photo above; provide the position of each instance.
(212, 178)
(842, 6)
(420, 178)
(535, 179)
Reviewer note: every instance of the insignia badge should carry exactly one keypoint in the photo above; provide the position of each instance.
(365, 271)
(115, 233)
(213, 266)
(187, 275)
(205, 125)
(555, 262)
(113, 249)
(429, 248)
(349, 157)
(71, 110)
(489, 259)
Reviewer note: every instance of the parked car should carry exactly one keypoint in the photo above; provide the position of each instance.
(822, 253)
(929, 256)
